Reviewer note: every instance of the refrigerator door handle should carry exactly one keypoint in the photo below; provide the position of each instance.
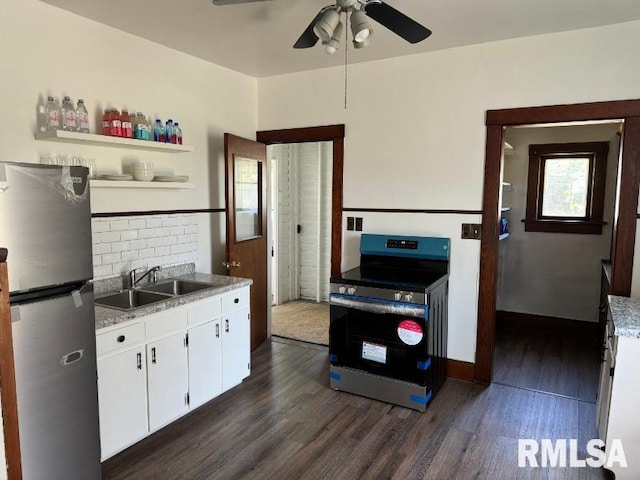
(72, 357)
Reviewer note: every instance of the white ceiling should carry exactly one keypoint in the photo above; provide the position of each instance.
(257, 38)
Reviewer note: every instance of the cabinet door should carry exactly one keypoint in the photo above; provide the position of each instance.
(205, 362)
(168, 379)
(235, 348)
(122, 395)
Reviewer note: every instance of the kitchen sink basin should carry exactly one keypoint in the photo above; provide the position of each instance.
(129, 299)
(177, 287)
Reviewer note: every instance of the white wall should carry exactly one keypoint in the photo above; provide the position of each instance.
(304, 171)
(415, 134)
(553, 274)
(45, 50)
(315, 162)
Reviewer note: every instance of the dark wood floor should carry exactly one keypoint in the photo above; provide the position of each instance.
(564, 361)
(285, 423)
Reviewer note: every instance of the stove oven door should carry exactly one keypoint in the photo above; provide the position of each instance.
(389, 339)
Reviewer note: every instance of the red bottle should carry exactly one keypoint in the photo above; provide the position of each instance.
(106, 127)
(127, 127)
(115, 123)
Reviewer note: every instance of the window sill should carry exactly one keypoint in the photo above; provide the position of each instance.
(563, 226)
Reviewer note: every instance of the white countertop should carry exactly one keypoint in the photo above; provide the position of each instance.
(625, 312)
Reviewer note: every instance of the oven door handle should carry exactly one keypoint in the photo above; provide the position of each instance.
(379, 307)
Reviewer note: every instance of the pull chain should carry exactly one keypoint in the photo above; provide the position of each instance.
(346, 48)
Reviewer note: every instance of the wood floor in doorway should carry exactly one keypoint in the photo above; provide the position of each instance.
(559, 359)
(301, 320)
(284, 422)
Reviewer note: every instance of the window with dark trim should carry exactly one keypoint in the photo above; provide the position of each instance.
(565, 191)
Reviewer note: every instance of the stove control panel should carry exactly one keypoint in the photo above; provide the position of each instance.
(405, 244)
(378, 293)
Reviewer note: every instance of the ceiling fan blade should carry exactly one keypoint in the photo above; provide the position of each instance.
(397, 22)
(308, 38)
(234, 2)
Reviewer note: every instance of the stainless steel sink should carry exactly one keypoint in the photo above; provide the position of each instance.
(130, 299)
(176, 287)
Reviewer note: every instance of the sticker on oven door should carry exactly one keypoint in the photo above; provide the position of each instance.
(374, 352)
(410, 332)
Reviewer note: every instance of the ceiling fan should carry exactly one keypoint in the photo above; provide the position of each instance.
(327, 26)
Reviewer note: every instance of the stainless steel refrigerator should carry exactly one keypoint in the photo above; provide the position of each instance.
(45, 222)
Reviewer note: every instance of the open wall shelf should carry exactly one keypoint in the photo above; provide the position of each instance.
(136, 184)
(63, 136)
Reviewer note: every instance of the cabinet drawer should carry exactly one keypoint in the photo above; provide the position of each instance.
(120, 339)
(204, 311)
(236, 300)
(162, 324)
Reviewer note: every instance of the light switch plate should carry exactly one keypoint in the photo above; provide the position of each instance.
(471, 231)
(350, 223)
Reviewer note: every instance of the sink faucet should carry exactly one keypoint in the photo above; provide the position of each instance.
(133, 280)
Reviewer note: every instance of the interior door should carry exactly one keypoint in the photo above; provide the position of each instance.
(246, 202)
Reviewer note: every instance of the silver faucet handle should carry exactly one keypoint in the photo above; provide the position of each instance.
(154, 274)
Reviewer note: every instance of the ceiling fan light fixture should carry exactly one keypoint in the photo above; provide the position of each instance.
(365, 43)
(331, 46)
(360, 26)
(325, 27)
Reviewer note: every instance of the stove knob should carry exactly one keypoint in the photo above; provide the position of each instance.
(397, 296)
(342, 289)
(351, 290)
(408, 297)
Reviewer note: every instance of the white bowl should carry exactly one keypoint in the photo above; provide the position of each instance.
(143, 176)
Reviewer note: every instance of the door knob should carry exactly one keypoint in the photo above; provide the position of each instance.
(229, 265)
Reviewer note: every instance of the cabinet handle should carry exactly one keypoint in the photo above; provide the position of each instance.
(226, 325)
(217, 330)
(139, 357)
(236, 300)
(120, 339)
(153, 355)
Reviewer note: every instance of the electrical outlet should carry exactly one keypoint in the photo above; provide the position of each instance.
(471, 231)
(358, 224)
(350, 223)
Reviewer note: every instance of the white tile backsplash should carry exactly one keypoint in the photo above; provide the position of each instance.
(123, 243)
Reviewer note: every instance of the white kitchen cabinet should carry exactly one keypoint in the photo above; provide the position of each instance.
(618, 396)
(205, 362)
(122, 396)
(236, 355)
(168, 379)
(189, 355)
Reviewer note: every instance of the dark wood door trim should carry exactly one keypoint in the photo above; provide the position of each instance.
(488, 288)
(329, 133)
(8, 378)
(627, 111)
(300, 135)
(578, 112)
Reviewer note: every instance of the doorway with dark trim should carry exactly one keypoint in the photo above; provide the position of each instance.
(557, 205)
(624, 223)
(333, 135)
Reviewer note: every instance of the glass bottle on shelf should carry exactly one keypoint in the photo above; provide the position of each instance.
(68, 114)
(52, 114)
(82, 117)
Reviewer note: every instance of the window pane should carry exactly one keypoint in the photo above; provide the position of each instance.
(247, 198)
(566, 185)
